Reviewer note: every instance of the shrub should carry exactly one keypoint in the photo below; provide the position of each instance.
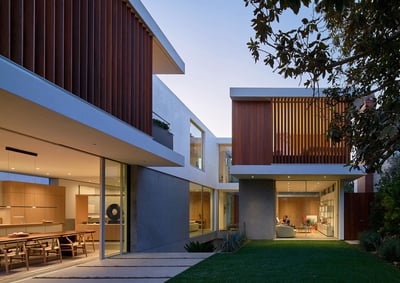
(370, 240)
(161, 124)
(197, 247)
(232, 241)
(390, 249)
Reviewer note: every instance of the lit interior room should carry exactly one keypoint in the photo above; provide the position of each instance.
(309, 206)
(47, 188)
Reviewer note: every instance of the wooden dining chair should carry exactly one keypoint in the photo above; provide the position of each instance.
(46, 247)
(13, 252)
(73, 243)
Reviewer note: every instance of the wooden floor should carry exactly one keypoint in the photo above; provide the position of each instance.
(312, 235)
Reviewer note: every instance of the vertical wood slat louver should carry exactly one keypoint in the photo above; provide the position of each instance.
(300, 132)
(96, 49)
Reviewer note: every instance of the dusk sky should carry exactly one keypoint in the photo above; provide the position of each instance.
(210, 36)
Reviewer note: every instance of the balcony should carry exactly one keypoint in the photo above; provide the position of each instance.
(161, 133)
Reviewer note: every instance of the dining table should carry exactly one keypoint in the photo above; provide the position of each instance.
(30, 240)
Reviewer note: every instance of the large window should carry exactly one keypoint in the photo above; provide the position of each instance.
(225, 163)
(115, 207)
(200, 209)
(228, 210)
(196, 146)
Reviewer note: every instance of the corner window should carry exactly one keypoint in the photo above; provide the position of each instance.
(200, 210)
(196, 146)
(225, 163)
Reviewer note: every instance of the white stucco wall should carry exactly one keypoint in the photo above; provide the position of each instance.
(171, 109)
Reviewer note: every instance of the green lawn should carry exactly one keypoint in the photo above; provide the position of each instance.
(292, 261)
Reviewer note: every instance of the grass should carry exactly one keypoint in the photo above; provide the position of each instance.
(292, 261)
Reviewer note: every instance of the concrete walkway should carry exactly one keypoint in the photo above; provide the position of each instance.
(135, 267)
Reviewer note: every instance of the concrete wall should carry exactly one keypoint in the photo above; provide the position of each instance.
(159, 211)
(257, 208)
(171, 109)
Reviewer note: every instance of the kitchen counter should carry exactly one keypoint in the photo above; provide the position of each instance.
(112, 231)
(40, 227)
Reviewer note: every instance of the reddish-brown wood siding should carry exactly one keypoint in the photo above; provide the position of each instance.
(365, 183)
(251, 133)
(96, 49)
(284, 130)
(357, 208)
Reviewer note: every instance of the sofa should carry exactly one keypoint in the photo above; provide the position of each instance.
(285, 231)
(193, 226)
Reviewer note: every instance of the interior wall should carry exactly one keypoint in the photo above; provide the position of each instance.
(221, 210)
(197, 212)
(31, 203)
(297, 207)
(71, 189)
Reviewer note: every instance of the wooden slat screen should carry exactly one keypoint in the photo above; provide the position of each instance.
(284, 130)
(300, 131)
(96, 49)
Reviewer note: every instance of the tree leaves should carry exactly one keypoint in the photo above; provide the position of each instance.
(355, 47)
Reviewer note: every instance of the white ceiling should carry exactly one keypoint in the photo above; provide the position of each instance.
(302, 186)
(65, 148)
(51, 160)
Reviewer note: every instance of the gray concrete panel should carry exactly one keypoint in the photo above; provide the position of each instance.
(257, 208)
(159, 211)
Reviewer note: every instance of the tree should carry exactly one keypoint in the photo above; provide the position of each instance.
(385, 214)
(353, 45)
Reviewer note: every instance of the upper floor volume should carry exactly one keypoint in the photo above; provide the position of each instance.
(104, 52)
(283, 126)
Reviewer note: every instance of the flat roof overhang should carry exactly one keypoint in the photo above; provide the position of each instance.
(36, 108)
(257, 93)
(296, 172)
(165, 58)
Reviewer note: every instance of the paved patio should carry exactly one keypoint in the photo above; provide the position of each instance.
(135, 267)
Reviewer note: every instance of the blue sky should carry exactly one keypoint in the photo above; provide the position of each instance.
(211, 36)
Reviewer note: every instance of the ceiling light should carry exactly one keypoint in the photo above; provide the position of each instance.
(9, 148)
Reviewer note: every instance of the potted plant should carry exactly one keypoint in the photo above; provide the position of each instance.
(161, 133)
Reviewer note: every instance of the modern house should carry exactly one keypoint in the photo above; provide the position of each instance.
(92, 139)
(285, 163)
(79, 148)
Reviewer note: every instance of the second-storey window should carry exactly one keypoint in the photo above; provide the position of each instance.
(196, 146)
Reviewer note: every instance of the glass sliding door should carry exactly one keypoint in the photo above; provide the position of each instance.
(207, 209)
(200, 210)
(114, 195)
